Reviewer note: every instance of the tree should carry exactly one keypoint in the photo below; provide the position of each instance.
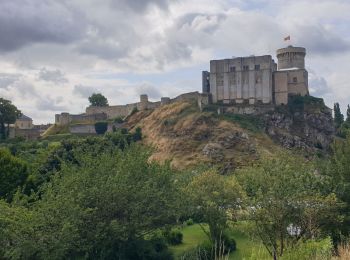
(107, 207)
(13, 174)
(98, 100)
(285, 202)
(338, 116)
(348, 114)
(8, 115)
(216, 198)
(337, 173)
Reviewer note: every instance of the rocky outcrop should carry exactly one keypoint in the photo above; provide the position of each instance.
(306, 129)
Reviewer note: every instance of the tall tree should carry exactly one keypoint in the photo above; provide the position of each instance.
(8, 115)
(348, 115)
(285, 202)
(98, 100)
(217, 199)
(338, 116)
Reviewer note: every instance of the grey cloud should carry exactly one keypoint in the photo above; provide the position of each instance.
(150, 90)
(55, 76)
(139, 5)
(318, 40)
(24, 22)
(6, 80)
(104, 50)
(47, 103)
(84, 91)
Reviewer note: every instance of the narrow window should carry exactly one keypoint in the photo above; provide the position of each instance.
(257, 67)
(245, 67)
(295, 79)
(232, 69)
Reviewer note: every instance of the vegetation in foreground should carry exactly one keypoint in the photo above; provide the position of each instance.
(103, 198)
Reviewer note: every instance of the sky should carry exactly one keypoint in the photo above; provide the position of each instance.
(55, 54)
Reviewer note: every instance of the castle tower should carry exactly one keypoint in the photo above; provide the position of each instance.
(291, 57)
(143, 102)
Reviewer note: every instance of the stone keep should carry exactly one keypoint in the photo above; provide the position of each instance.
(291, 78)
(257, 79)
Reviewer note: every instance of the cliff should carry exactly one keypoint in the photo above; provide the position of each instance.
(183, 135)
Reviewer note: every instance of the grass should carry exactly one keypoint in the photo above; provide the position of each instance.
(194, 236)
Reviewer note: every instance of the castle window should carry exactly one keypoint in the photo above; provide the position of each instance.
(232, 69)
(257, 67)
(245, 67)
(295, 80)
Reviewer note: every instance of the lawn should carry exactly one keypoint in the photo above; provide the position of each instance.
(194, 236)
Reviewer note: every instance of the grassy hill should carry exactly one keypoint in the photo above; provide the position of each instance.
(186, 137)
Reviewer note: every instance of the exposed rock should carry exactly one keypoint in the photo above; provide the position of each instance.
(214, 151)
(301, 129)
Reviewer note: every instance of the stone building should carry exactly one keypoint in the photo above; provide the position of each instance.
(24, 122)
(257, 79)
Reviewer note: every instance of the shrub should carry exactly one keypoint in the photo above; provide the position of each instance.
(101, 127)
(173, 237)
(137, 136)
(189, 222)
(118, 120)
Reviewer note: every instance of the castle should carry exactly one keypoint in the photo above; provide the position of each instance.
(245, 85)
(257, 79)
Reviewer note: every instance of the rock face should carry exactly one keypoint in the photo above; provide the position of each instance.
(301, 128)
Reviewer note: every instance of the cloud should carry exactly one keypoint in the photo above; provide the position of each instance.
(140, 5)
(6, 79)
(84, 91)
(49, 104)
(318, 85)
(149, 90)
(55, 76)
(24, 22)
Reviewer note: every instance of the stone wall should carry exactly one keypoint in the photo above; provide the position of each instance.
(66, 118)
(125, 110)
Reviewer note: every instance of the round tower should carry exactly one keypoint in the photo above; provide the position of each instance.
(291, 57)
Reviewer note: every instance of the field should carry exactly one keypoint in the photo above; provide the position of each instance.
(194, 236)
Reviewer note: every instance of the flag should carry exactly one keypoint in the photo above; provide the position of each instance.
(287, 38)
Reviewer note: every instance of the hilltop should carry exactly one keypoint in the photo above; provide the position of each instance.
(185, 136)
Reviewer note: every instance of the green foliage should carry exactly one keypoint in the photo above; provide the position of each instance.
(336, 174)
(338, 116)
(310, 250)
(137, 136)
(118, 120)
(8, 115)
(173, 237)
(189, 222)
(213, 196)
(101, 127)
(13, 174)
(284, 193)
(249, 122)
(98, 100)
(100, 208)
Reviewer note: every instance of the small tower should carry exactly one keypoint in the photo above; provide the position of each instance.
(291, 57)
(143, 102)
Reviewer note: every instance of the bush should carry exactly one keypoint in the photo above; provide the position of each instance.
(189, 222)
(137, 136)
(118, 120)
(101, 127)
(173, 237)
